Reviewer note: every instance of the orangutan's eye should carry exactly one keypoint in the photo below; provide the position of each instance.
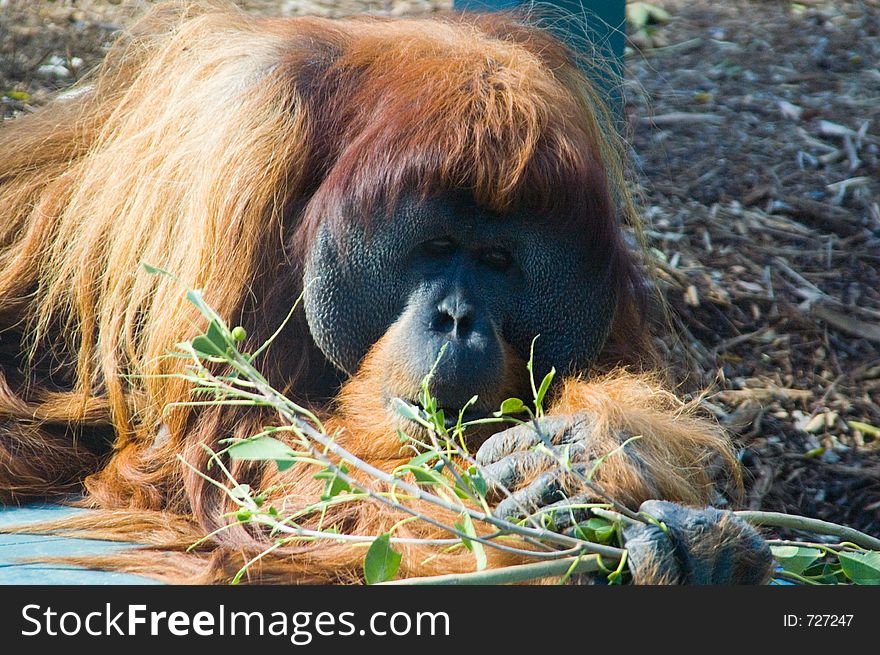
(496, 258)
(442, 246)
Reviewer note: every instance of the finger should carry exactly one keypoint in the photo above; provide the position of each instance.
(520, 437)
(500, 445)
(509, 472)
(548, 488)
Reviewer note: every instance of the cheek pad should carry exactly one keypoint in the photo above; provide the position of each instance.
(351, 293)
(567, 306)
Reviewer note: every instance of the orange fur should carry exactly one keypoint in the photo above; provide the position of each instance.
(212, 144)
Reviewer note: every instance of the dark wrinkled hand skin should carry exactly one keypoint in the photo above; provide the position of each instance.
(509, 458)
(704, 546)
(699, 546)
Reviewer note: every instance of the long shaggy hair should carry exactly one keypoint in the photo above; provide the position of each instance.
(212, 144)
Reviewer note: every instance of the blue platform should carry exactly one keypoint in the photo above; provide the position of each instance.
(14, 548)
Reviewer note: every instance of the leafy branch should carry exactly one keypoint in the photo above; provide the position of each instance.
(443, 474)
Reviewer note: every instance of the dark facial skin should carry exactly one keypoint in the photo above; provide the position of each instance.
(447, 271)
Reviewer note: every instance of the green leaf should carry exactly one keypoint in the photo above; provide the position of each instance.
(154, 270)
(264, 448)
(427, 476)
(382, 561)
(218, 335)
(409, 412)
(795, 559)
(596, 530)
(215, 342)
(422, 458)
(474, 477)
(826, 573)
(205, 346)
(335, 485)
(466, 525)
(511, 406)
(545, 386)
(602, 529)
(461, 527)
(862, 567)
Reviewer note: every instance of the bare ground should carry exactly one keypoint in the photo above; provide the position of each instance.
(755, 128)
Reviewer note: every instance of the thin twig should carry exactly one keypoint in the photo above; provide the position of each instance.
(290, 412)
(281, 402)
(779, 520)
(511, 574)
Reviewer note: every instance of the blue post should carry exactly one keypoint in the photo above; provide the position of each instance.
(600, 23)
